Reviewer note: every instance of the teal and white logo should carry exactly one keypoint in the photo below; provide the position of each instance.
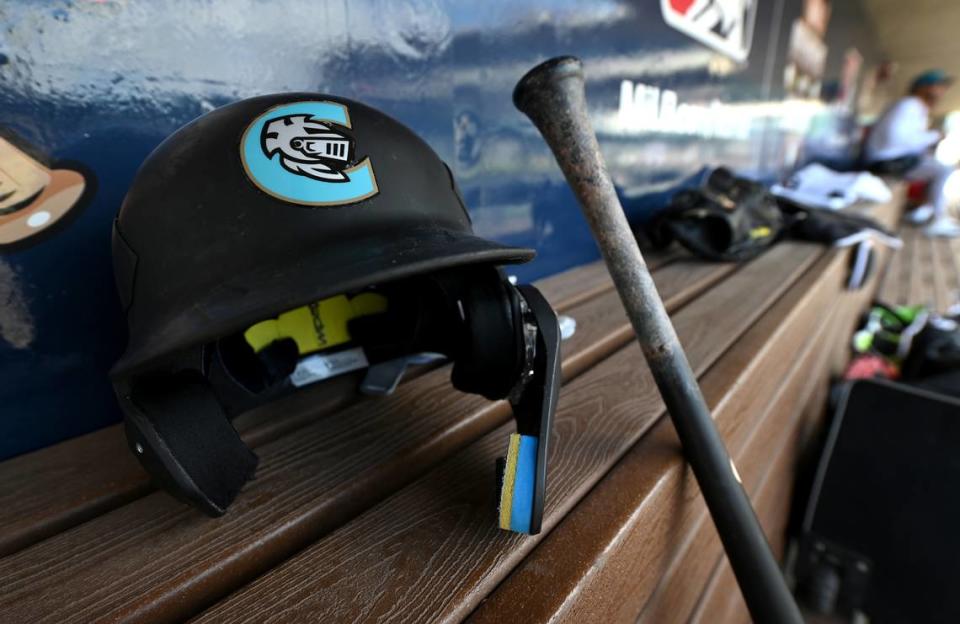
(299, 153)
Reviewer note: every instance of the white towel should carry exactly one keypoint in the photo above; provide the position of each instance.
(820, 187)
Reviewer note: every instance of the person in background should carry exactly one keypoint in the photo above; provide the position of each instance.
(902, 142)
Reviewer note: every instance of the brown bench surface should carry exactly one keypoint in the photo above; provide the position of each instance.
(384, 509)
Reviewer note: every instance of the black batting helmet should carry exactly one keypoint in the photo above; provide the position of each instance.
(287, 225)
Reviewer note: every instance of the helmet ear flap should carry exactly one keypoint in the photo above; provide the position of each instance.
(177, 429)
(491, 356)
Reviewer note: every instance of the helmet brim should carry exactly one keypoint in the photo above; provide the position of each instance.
(233, 305)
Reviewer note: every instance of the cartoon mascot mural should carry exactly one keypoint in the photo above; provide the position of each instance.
(32, 197)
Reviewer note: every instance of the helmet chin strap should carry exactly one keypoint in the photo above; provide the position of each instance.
(534, 399)
(504, 342)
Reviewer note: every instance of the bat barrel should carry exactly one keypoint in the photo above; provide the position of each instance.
(552, 95)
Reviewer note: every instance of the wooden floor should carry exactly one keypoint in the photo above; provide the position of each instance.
(384, 509)
(925, 272)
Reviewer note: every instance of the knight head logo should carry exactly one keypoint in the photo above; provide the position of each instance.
(303, 153)
(308, 147)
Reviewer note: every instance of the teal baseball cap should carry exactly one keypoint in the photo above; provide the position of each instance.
(930, 78)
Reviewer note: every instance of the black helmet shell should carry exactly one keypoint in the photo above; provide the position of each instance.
(266, 204)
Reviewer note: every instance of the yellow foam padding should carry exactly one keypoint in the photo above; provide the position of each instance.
(315, 326)
(509, 479)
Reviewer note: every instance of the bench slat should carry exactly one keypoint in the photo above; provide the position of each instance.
(928, 268)
(903, 278)
(953, 251)
(943, 274)
(50, 490)
(309, 483)
(716, 602)
(906, 265)
(891, 286)
(432, 549)
(920, 282)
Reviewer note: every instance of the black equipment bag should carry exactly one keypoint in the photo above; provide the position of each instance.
(935, 351)
(881, 527)
(729, 219)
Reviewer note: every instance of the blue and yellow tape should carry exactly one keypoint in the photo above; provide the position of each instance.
(516, 495)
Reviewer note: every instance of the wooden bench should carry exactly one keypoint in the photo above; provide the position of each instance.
(384, 509)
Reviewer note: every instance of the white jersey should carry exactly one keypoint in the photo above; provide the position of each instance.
(903, 130)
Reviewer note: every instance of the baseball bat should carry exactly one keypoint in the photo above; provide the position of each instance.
(552, 95)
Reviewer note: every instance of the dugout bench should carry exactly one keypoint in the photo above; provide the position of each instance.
(383, 509)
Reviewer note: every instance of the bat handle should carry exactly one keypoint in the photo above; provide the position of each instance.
(552, 95)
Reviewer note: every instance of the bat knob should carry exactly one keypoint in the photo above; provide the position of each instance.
(544, 79)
